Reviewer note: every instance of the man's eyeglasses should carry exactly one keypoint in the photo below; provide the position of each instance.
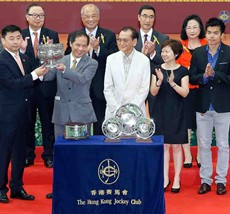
(147, 17)
(35, 16)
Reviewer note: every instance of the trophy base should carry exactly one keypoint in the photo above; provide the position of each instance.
(128, 136)
(108, 140)
(141, 140)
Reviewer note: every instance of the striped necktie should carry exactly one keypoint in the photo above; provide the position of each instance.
(73, 67)
(35, 43)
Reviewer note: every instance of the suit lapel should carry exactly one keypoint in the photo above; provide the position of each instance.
(29, 48)
(43, 34)
(139, 42)
(82, 62)
(221, 54)
(13, 64)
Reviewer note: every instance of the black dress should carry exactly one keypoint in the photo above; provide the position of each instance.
(169, 111)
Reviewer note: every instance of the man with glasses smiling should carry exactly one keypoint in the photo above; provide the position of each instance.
(43, 92)
(149, 40)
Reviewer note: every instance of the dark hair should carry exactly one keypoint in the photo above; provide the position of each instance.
(183, 34)
(10, 29)
(134, 33)
(77, 34)
(175, 45)
(146, 7)
(215, 22)
(33, 5)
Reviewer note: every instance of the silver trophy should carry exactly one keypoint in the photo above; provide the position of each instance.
(144, 128)
(76, 131)
(50, 53)
(112, 128)
(129, 114)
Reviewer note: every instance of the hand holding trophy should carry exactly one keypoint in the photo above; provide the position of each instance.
(50, 53)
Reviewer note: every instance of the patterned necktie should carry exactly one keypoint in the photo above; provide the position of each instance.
(91, 48)
(73, 67)
(35, 43)
(19, 62)
(145, 38)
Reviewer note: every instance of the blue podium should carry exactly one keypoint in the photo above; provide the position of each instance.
(96, 177)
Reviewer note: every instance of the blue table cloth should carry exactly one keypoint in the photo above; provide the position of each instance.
(96, 177)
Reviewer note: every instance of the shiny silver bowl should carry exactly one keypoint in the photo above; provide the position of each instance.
(50, 54)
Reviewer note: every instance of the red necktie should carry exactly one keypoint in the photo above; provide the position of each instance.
(35, 43)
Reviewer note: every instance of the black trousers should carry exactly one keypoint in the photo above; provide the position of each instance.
(13, 137)
(99, 106)
(44, 105)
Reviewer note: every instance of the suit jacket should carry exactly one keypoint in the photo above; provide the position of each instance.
(14, 87)
(1, 48)
(108, 45)
(216, 91)
(72, 100)
(157, 60)
(48, 89)
(119, 91)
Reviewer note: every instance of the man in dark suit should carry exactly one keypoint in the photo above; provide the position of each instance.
(102, 44)
(149, 41)
(210, 68)
(44, 92)
(15, 81)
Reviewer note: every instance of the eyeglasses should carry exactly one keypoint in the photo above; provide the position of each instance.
(35, 16)
(192, 28)
(146, 16)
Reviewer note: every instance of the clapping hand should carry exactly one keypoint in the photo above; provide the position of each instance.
(24, 44)
(171, 79)
(208, 70)
(94, 42)
(159, 74)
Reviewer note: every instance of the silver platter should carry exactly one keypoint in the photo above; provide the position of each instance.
(144, 128)
(112, 128)
(129, 115)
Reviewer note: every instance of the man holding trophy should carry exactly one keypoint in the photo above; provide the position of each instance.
(73, 73)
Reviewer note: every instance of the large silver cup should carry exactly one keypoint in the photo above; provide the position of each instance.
(50, 53)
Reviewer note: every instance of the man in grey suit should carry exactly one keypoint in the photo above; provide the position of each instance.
(149, 41)
(74, 74)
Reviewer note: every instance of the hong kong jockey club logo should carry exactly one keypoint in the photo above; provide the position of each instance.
(224, 16)
(108, 171)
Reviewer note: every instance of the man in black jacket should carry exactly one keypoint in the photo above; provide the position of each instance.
(43, 92)
(210, 68)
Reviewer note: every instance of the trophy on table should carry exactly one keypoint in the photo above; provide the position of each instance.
(129, 122)
(50, 53)
(76, 131)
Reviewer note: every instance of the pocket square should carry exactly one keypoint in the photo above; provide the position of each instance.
(223, 63)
